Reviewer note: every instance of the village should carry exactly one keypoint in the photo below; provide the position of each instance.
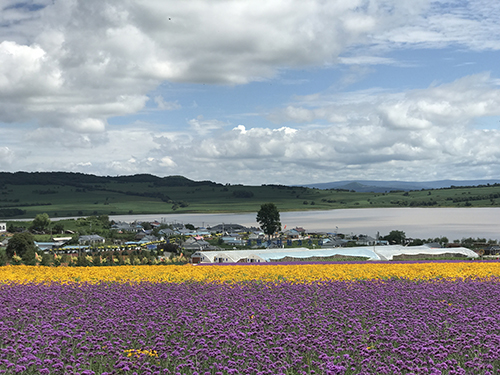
(157, 242)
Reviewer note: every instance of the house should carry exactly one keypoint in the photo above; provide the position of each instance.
(61, 240)
(144, 233)
(334, 242)
(195, 244)
(256, 236)
(232, 240)
(167, 232)
(292, 233)
(91, 239)
(365, 240)
(148, 238)
(227, 228)
(3, 227)
(492, 250)
(123, 227)
(186, 232)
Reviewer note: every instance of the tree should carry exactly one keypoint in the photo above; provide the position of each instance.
(58, 228)
(22, 245)
(396, 237)
(269, 218)
(41, 222)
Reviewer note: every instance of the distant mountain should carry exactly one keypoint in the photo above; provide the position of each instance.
(386, 186)
(74, 178)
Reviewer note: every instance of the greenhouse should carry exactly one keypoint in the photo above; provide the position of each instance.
(374, 253)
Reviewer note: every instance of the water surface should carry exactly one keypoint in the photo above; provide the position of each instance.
(454, 223)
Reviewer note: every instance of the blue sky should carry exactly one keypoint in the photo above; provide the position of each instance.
(250, 92)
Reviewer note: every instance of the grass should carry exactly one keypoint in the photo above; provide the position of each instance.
(334, 258)
(447, 256)
(112, 197)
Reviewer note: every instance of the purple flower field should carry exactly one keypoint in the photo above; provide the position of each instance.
(364, 327)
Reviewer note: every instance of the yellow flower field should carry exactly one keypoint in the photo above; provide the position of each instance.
(295, 272)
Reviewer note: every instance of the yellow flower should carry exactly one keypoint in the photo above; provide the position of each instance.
(293, 273)
(138, 352)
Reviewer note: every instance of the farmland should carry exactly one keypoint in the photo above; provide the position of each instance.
(24, 195)
(398, 318)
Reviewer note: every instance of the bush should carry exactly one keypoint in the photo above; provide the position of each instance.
(3, 257)
(47, 260)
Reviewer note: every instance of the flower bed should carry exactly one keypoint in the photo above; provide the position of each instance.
(119, 324)
(236, 273)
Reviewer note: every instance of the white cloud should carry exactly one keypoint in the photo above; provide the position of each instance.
(473, 24)
(6, 156)
(164, 105)
(74, 64)
(203, 127)
(431, 135)
(66, 67)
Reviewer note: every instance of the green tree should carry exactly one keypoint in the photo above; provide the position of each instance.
(23, 245)
(146, 226)
(3, 257)
(269, 218)
(104, 219)
(58, 228)
(41, 222)
(396, 237)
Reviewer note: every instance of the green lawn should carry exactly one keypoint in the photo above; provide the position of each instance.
(112, 196)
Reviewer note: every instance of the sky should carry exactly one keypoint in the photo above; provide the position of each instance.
(252, 92)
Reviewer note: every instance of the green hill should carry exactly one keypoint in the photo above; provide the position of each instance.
(24, 195)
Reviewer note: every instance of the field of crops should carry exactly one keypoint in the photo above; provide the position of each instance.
(367, 318)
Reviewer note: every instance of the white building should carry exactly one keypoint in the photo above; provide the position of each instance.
(3, 227)
(375, 253)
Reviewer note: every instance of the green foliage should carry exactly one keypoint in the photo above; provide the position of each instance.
(141, 194)
(243, 194)
(395, 237)
(58, 228)
(41, 223)
(168, 247)
(269, 218)
(22, 245)
(3, 257)
(47, 260)
(82, 260)
(146, 226)
(96, 260)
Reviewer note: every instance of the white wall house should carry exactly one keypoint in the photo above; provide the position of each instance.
(3, 227)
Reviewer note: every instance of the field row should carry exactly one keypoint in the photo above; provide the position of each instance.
(331, 327)
(237, 273)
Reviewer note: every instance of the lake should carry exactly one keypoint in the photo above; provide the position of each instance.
(454, 223)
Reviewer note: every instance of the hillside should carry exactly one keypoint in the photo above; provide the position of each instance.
(387, 186)
(60, 194)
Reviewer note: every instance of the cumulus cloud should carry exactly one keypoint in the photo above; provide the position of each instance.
(74, 64)
(472, 24)
(164, 105)
(68, 67)
(419, 134)
(203, 127)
